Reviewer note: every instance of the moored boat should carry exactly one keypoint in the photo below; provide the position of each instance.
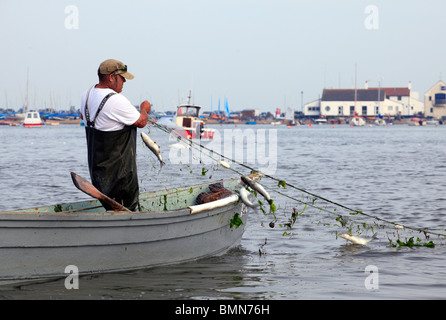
(292, 123)
(39, 243)
(416, 122)
(321, 121)
(357, 121)
(432, 122)
(32, 119)
(380, 122)
(188, 123)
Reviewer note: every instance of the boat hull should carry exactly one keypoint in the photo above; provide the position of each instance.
(191, 134)
(357, 122)
(32, 125)
(416, 122)
(41, 245)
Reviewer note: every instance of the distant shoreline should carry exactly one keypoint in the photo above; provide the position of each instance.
(280, 122)
(19, 122)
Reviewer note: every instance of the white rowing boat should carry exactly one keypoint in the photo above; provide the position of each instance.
(39, 243)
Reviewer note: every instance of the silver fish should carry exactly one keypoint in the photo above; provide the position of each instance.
(357, 240)
(153, 147)
(256, 187)
(244, 195)
(225, 164)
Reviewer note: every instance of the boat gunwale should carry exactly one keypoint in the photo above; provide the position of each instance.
(95, 204)
(110, 217)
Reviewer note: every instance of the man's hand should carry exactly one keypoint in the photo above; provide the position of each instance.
(143, 118)
(146, 105)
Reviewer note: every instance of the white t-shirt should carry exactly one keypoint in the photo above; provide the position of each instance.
(115, 114)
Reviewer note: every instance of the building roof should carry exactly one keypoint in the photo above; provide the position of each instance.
(439, 83)
(395, 91)
(349, 95)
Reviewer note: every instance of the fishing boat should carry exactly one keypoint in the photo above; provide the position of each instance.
(187, 123)
(32, 119)
(357, 121)
(39, 243)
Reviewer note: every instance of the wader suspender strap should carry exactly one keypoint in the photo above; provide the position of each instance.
(87, 114)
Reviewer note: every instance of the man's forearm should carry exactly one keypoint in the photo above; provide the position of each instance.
(142, 120)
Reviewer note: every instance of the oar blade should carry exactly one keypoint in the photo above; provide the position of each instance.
(91, 190)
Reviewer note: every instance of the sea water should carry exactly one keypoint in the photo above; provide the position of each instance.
(391, 174)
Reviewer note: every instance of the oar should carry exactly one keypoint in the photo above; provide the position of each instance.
(90, 189)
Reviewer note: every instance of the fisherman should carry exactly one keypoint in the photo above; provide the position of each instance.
(111, 123)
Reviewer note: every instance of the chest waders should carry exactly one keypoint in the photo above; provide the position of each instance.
(112, 161)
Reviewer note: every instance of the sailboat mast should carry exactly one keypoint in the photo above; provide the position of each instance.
(27, 93)
(379, 97)
(356, 79)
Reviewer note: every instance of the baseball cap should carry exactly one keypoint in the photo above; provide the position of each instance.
(115, 66)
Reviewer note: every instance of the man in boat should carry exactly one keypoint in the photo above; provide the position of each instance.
(111, 123)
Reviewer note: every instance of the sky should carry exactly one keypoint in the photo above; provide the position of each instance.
(262, 54)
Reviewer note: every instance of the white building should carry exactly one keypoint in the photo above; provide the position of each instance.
(408, 102)
(312, 109)
(370, 102)
(435, 101)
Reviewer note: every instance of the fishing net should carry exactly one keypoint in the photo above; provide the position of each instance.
(290, 204)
